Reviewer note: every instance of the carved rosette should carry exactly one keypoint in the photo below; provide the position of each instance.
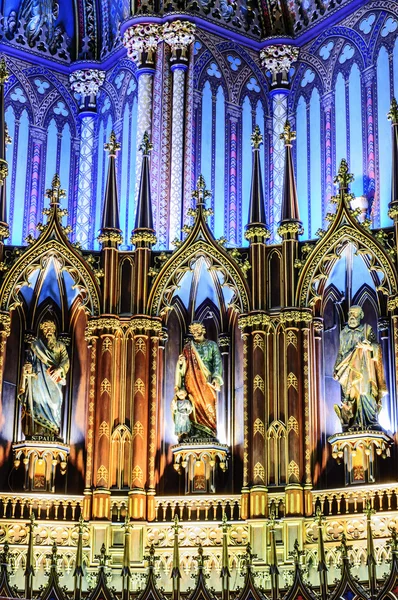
(141, 42)
(277, 59)
(87, 83)
(179, 35)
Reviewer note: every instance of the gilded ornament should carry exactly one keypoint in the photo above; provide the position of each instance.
(292, 381)
(290, 228)
(258, 471)
(288, 136)
(105, 387)
(257, 231)
(393, 112)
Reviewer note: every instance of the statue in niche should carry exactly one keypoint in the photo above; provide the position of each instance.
(43, 377)
(359, 370)
(198, 378)
(37, 14)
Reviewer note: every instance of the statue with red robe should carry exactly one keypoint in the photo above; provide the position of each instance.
(198, 379)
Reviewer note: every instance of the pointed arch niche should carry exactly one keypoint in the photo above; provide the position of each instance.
(202, 296)
(50, 280)
(350, 282)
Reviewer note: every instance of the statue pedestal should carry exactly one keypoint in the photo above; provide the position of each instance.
(358, 450)
(40, 460)
(199, 461)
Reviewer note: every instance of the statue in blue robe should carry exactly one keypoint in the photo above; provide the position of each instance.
(43, 378)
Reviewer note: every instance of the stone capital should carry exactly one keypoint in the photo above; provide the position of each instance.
(369, 75)
(327, 101)
(179, 35)
(86, 83)
(38, 134)
(277, 59)
(141, 42)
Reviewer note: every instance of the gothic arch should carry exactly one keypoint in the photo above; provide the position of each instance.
(325, 253)
(51, 244)
(216, 258)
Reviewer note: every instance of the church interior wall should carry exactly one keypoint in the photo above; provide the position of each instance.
(123, 307)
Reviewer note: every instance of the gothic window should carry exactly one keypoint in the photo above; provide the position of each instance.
(302, 164)
(247, 130)
(219, 187)
(104, 132)
(127, 166)
(384, 135)
(395, 63)
(18, 185)
(64, 163)
(206, 141)
(355, 121)
(51, 157)
(316, 216)
(340, 119)
(10, 120)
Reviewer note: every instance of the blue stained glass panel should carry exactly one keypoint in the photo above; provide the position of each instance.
(302, 163)
(124, 163)
(356, 147)
(10, 120)
(206, 148)
(20, 180)
(340, 119)
(247, 162)
(51, 156)
(65, 159)
(219, 200)
(133, 152)
(315, 158)
(384, 127)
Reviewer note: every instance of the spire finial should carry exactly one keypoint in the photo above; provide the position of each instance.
(288, 135)
(4, 73)
(55, 193)
(343, 177)
(256, 138)
(146, 146)
(113, 146)
(344, 547)
(392, 114)
(201, 193)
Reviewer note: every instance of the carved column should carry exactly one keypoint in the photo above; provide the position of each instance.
(144, 411)
(296, 348)
(179, 35)
(86, 83)
(327, 105)
(368, 78)
(38, 137)
(234, 119)
(141, 42)
(254, 325)
(277, 60)
(5, 329)
(317, 400)
(92, 340)
(246, 433)
(105, 329)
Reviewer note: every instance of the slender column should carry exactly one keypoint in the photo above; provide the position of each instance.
(144, 409)
(317, 400)
(369, 76)
(90, 429)
(234, 118)
(153, 404)
(86, 83)
(37, 136)
(30, 563)
(277, 60)
(141, 42)
(305, 333)
(258, 492)
(162, 407)
(246, 408)
(179, 35)
(105, 328)
(327, 105)
(5, 329)
(293, 386)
